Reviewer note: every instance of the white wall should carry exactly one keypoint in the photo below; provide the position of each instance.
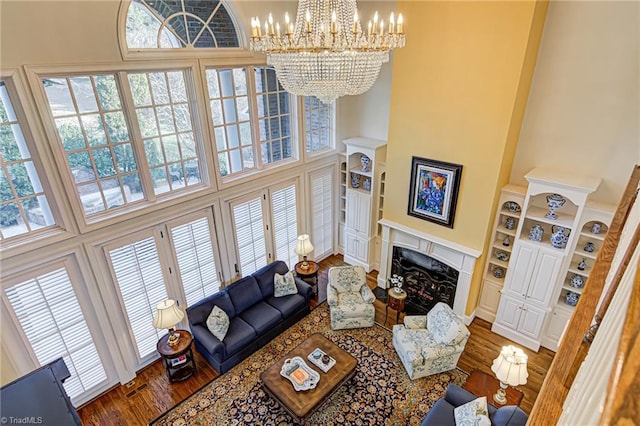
(584, 106)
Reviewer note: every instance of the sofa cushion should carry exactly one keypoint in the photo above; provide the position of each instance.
(218, 322)
(467, 414)
(264, 276)
(510, 415)
(415, 321)
(441, 414)
(244, 293)
(284, 285)
(347, 278)
(261, 317)
(444, 324)
(199, 312)
(239, 336)
(287, 305)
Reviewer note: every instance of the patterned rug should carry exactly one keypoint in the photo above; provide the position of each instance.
(380, 393)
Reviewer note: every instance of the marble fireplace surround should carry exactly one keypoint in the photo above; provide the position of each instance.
(459, 257)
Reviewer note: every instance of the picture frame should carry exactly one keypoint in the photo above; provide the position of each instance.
(433, 192)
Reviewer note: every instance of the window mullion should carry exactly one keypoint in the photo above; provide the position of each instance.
(253, 116)
(136, 137)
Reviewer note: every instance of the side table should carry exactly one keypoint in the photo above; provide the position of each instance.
(483, 384)
(178, 360)
(310, 272)
(395, 301)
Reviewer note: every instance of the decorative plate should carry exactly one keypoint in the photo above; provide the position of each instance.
(512, 206)
(301, 376)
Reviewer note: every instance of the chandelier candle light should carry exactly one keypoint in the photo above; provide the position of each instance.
(326, 53)
(511, 369)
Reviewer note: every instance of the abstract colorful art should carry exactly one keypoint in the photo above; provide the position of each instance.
(434, 190)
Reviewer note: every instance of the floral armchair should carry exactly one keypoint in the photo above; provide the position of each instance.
(432, 343)
(350, 299)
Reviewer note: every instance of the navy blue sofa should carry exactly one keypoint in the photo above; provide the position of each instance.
(255, 316)
(441, 414)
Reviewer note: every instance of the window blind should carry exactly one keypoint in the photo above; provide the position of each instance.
(285, 224)
(196, 263)
(250, 236)
(52, 321)
(322, 213)
(141, 284)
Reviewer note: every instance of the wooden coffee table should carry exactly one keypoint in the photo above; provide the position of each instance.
(301, 404)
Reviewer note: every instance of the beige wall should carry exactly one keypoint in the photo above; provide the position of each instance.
(454, 92)
(584, 108)
(7, 372)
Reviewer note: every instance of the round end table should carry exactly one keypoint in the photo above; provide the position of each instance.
(395, 301)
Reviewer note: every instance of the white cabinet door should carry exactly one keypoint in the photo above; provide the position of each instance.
(509, 312)
(544, 277)
(490, 299)
(351, 244)
(557, 323)
(531, 321)
(364, 213)
(521, 269)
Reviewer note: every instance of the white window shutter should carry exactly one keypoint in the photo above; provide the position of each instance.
(137, 269)
(322, 213)
(250, 236)
(285, 224)
(50, 316)
(193, 249)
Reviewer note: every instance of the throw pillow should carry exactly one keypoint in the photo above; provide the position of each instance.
(218, 323)
(284, 285)
(468, 414)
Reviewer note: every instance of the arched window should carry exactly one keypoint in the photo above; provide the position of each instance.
(179, 24)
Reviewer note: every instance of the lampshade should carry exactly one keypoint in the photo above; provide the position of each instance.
(303, 245)
(168, 314)
(510, 367)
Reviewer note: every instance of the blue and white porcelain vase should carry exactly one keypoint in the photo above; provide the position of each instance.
(366, 162)
(554, 201)
(355, 180)
(536, 232)
(558, 237)
(510, 223)
(366, 185)
(571, 298)
(577, 281)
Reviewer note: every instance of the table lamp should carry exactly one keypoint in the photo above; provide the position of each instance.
(511, 369)
(168, 315)
(303, 248)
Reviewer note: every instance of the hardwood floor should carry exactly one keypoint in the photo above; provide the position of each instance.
(151, 393)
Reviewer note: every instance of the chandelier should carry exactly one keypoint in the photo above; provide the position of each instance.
(326, 53)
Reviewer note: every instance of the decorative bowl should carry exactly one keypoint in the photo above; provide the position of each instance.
(502, 255)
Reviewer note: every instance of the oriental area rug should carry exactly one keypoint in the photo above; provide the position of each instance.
(380, 393)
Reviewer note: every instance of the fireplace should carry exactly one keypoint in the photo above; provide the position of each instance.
(444, 258)
(427, 281)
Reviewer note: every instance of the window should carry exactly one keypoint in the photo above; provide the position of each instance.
(274, 116)
(164, 118)
(138, 273)
(50, 317)
(102, 150)
(196, 257)
(148, 267)
(23, 203)
(266, 227)
(231, 106)
(322, 212)
(318, 124)
(179, 24)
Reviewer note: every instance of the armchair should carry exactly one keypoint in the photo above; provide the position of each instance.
(432, 343)
(349, 298)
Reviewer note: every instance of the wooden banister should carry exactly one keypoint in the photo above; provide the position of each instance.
(548, 406)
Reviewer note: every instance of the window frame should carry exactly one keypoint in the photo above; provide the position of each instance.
(21, 355)
(151, 202)
(298, 151)
(132, 54)
(64, 226)
(332, 149)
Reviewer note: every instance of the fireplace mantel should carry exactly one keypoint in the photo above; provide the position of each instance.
(459, 257)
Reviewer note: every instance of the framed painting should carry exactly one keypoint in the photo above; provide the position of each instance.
(434, 190)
